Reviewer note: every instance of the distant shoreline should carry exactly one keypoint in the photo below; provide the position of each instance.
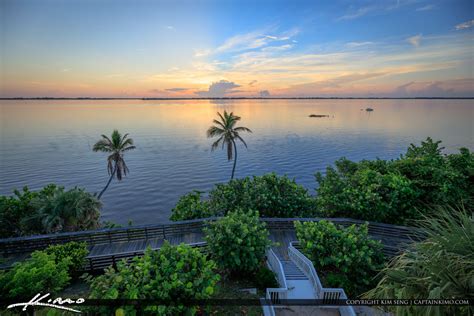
(249, 98)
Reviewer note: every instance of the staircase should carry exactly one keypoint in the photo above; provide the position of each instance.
(298, 280)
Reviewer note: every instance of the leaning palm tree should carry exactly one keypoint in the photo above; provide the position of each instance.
(117, 145)
(228, 133)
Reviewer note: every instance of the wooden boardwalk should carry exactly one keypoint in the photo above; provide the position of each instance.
(108, 246)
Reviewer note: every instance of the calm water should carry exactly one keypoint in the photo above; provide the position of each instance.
(50, 142)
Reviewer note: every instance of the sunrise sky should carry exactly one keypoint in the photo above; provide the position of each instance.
(222, 48)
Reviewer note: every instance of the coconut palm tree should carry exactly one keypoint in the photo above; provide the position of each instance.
(228, 133)
(117, 145)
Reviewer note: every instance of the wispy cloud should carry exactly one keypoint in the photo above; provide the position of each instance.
(415, 40)
(358, 44)
(427, 7)
(177, 89)
(354, 14)
(465, 25)
(169, 27)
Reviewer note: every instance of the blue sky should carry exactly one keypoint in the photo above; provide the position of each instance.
(236, 48)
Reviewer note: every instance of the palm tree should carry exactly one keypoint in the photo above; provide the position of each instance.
(117, 145)
(227, 132)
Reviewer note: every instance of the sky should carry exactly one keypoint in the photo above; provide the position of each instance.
(143, 48)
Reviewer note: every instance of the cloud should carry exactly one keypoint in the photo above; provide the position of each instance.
(219, 89)
(277, 48)
(251, 83)
(426, 8)
(356, 14)
(202, 52)
(177, 89)
(415, 40)
(446, 88)
(170, 27)
(464, 25)
(264, 94)
(358, 44)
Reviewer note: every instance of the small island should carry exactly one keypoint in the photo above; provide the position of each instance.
(318, 115)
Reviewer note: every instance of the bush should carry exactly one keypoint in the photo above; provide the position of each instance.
(190, 206)
(439, 267)
(238, 241)
(357, 191)
(345, 257)
(49, 210)
(265, 278)
(39, 274)
(173, 274)
(270, 195)
(74, 251)
(64, 211)
(397, 191)
(17, 207)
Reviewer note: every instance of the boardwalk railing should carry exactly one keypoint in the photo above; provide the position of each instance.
(328, 295)
(275, 295)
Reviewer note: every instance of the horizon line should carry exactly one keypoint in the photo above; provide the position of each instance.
(223, 98)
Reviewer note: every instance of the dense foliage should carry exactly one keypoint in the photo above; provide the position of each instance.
(190, 206)
(76, 252)
(172, 274)
(49, 210)
(399, 190)
(41, 273)
(238, 241)
(271, 195)
(440, 267)
(345, 257)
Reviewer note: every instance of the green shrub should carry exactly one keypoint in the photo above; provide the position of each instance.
(265, 278)
(173, 273)
(345, 257)
(74, 251)
(400, 190)
(238, 241)
(270, 195)
(49, 210)
(64, 211)
(190, 206)
(357, 191)
(17, 207)
(439, 267)
(38, 274)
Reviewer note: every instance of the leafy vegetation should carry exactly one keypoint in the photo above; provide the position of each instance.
(440, 267)
(76, 252)
(41, 273)
(115, 146)
(227, 134)
(190, 206)
(238, 241)
(345, 257)
(399, 190)
(173, 274)
(270, 194)
(49, 210)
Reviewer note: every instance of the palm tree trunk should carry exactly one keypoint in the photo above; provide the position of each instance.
(235, 159)
(108, 183)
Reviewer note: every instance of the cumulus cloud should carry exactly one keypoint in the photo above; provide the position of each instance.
(415, 40)
(465, 25)
(264, 94)
(219, 89)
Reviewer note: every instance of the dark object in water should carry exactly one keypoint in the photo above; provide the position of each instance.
(319, 115)
(369, 109)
